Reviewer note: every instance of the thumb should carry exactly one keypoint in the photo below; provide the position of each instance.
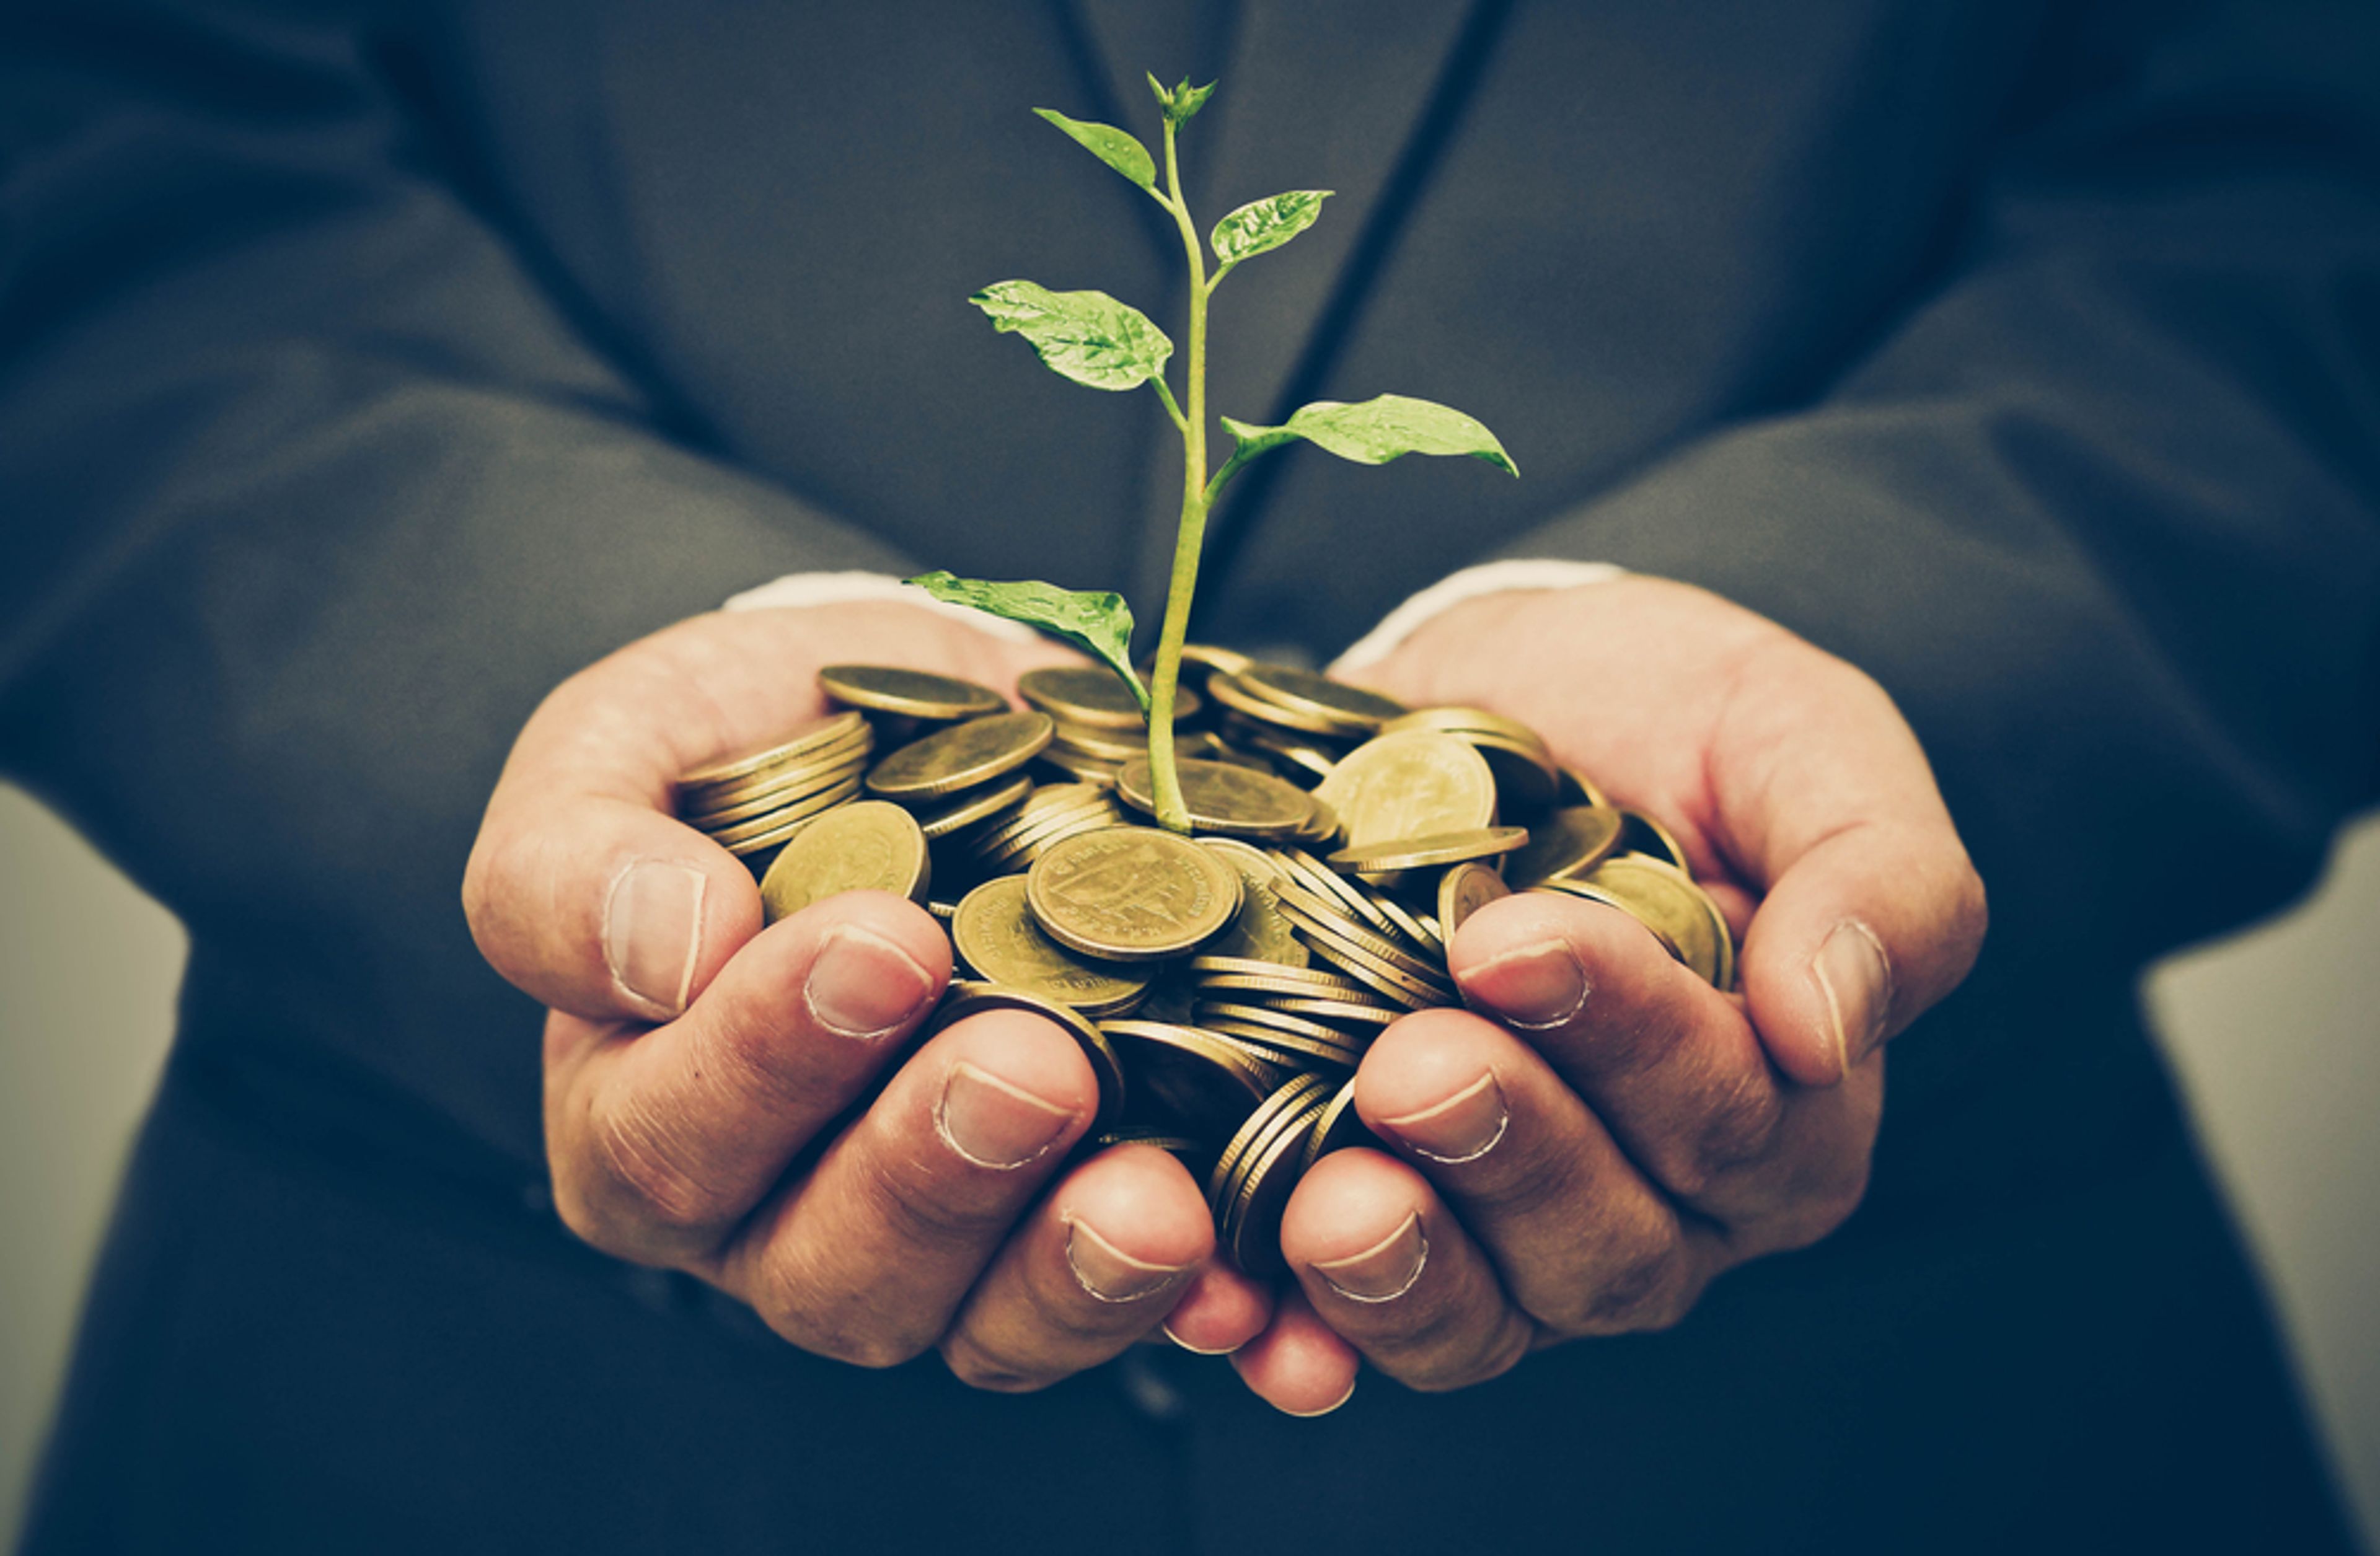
(1873, 911)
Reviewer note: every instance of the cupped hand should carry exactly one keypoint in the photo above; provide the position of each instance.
(1600, 1134)
(701, 1071)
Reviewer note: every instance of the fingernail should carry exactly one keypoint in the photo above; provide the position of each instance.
(862, 985)
(1857, 981)
(994, 1124)
(1310, 1415)
(1463, 1128)
(1384, 1272)
(1196, 1350)
(1533, 986)
(1111, 1274)
(652, 932)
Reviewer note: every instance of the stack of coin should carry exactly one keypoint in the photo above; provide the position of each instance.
(1224, 987)
(1300, 722)
(1098, 722)
(751, 806)
(1049, 813)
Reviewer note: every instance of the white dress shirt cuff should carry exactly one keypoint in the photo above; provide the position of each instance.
(1488, 577)
(841, 589)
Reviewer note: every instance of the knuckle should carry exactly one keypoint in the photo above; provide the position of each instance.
(923, 1211)
(796, 1312)
(630, 1156)
(1739, 1129)
(979, 1369)
(1634, 1286)
(1489, 1352)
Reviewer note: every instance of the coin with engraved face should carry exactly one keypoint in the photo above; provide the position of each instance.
(1132, 894)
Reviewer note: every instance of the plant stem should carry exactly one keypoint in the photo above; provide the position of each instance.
(1171, 814)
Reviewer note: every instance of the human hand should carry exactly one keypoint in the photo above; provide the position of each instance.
(1601, 1133)
(699, 1069)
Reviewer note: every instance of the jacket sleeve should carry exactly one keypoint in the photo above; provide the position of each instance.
(2103, 511)
(311, 490)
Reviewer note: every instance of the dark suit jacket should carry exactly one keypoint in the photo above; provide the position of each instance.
(362, 375)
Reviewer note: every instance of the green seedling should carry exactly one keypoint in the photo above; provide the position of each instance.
(1093, 339)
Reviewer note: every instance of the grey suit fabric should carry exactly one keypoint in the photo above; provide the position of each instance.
(363, 373)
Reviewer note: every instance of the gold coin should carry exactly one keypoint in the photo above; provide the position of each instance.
(1221, 798)
(784, 773)
(973, 999)
(767, 832)
(1412, 783)
(1337, 946)
(1639, 833)
(1271, 1019)
(1240, 966)
(980, 805)
(1236, 698)
(883, 689)
(1299, 1091)
(1206, 660)
(1577, 788)
(1081, 768)
(1281, 983)
(1252, 1219)
(1191, 1077)
(1302, 868)
(1259, 932)
(961, 757)
(1437, 848)
(1336, 1127)
(1300, 760)
(1570, 841)
(777, 795)
(1132, 894)
(1095, 697)
(1189, 1152)
(869, 847)
(1019, 851)
(1352, 1013)
(1681, 912)
(1464, 890)
(1526, 774)
(1050, 804)
(1412, 928)
(1350, 710)
(1454, 718)
(1589, 892)
(1078, 740)
(998, 939)
(1304, 908)
(839, 727)
(1286, 1050)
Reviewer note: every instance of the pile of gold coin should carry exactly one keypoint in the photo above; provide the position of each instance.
(1224, 986)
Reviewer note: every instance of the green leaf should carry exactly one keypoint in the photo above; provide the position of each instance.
(1262, 226)
(1184, 101)
(1087, 336)
(1111, 145)
(1382, 429)
(1099, 624)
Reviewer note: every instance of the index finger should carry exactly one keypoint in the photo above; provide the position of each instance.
(583, 888)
